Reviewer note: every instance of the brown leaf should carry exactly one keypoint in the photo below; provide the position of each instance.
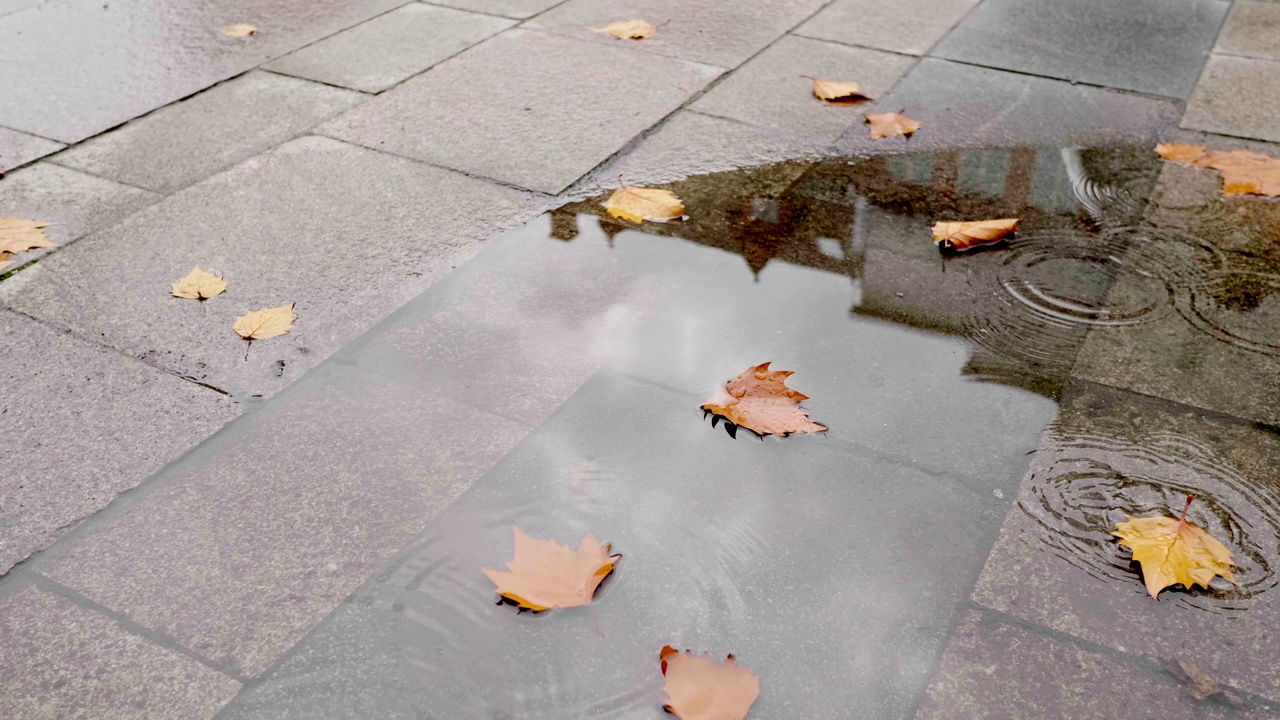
(1173, 551)
(199, 285)
(834, 91)
(18, 235)
(265, 323)
(1244, 172)
(961, 236)
(1180, 153)
(885, 125)
(545, 574)
(699, 688)
(628, 30)
(639, 204)
(240, 30)
(759, 400)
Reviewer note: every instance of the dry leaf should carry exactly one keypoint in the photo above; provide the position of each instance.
(629, 30)
(759, 400)
(18, 235)
(199, 285)
(639, 204)
(961, 236)
(1174, 551)
(265, 323)
(1244, 172)
(885, 125)
(837, 92)
(699, 688)
(545, 575)
(241, 30)
(1180, 153)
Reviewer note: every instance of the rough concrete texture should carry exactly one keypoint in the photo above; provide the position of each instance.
(240, 549)
(65, 454)
(191, 140)
(377, 54)
(518, 9)
(111, 62)
(704, 31)
(65, 662)
(486, 111)
(1162, 42)
(1252, 29)
(965, 106)
(770, 91)
(1237, 96)
(20, 148)
(992, 669)
(346, 233)
(905, 26)
(72, 203)
(1111, 455)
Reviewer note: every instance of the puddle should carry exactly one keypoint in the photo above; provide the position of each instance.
(835, 565)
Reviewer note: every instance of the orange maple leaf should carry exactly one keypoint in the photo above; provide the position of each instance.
(961, 236)
(760, 401)
(699, 688)
(885, 125)
(545, 575)
(1244, 172)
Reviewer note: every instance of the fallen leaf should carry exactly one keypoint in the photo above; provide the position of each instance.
(629, 30)
(199, 285)
(1244, 172)
(18, 235)
(1180, 153)
(638, 204)
(834, 91)
(265, 323)
(1199, 683)
(545, 575)
(699, 688)
(241, 30)
(1174, 551)
(885, 125)
(759, 400)
(961, 236)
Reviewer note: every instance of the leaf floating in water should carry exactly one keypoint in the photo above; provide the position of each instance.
(961, 236)
(240, 30)
(544, 575)
(199, 284)
(759, 400)
(885, 125)
(628, 30)
(1180, 153)
(639, 204)
(265, 323)
(1242, 172)
(833, 91)
(699, 688)
(1173, 551)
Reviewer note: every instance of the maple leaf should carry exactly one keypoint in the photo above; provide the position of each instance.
(639, 204)
(265, 323)
(1174, 551)
(961, 236)
(18, 235)
(1244, 172)
(885, 125)
(545, 575)
(1180, 153)
(759, 400)
(628, 30)
(199, 285)
(834, 91)
(699, 688)
(240, 30)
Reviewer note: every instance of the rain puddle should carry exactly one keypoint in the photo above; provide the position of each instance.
(1124, 347)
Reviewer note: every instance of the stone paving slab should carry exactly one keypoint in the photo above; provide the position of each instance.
(73, 203)
(386, 50)
(519, 9)
(1252, 29)
(904, 26)
(487, 110)
(191, 140)
(1112, 454)
(1151, 46)
(704, 31)
(75, 68)
(992, 669)
(1237, 96)
(347, 233)
(64, 662)
(10, 6)
(238, 551)
(769, 90)
(20, 148)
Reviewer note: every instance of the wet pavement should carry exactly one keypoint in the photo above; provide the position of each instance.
(192, 527)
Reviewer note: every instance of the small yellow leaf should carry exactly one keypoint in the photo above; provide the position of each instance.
(834, 91)
(1244, 172)
(961, 236)
(639, 204)
(18, 235)
(240, 30)
(759, 400)
(543, 574)
(199, 285)
(265, 323)
(885, 125)
(1180, 153)
(1173, 551)
(628, 30)
(699, 688)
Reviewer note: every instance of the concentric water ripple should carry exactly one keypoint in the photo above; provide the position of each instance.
(1086, 484)
(1240, 307)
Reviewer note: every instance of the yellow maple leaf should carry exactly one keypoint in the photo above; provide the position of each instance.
(1174, 551)
(1244, 172)
(628, 30)
(699, 688)
(639, 204)
(265, 323)
(885, 125)
(834, 91)
(239, 30)
(759, 400)
(199, 285)
(543, 574)
(18, 235)
(1180, 153)
(961, 236)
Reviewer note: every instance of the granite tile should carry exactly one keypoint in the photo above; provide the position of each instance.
(519, 9)
(1252, 29)
(906, 26)
(17, 149)
(1237, 96)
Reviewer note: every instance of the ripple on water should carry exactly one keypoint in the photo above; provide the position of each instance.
(1239, 306)
(1093, 482)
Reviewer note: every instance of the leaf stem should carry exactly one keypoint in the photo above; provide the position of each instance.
(1183, 519)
